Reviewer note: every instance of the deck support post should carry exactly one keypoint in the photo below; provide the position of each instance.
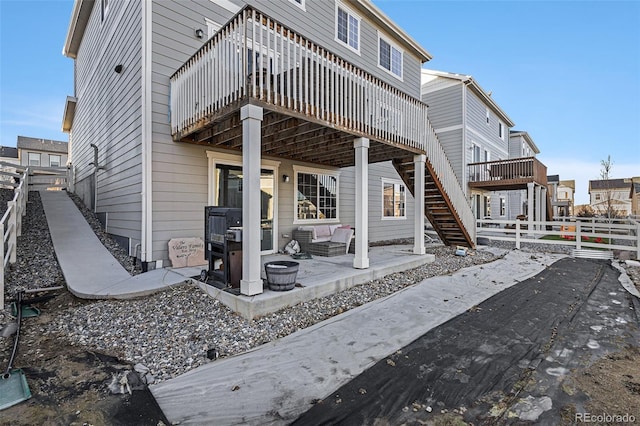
(543, 206)
(361, 259)
(538, 214)
(530, 204)
(251, 117)
(418, 192)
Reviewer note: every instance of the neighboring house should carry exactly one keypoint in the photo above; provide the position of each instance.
(42, 152)
(610, 196)
(219, 102)
(8, 154)
(495, 166)
(565, 196)
(634, 194)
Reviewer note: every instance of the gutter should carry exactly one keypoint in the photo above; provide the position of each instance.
(77, 25)
(146, 237)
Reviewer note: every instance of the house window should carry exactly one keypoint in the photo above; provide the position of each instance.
(54, 160)
(317, 195)
(212, 27)
(104, 9)
(347, 27)
(394, 197)
(299, 3)
(501, 130)
(503, 206)
(487, 112)
(597, 197)
(389, 57)
(34, 158)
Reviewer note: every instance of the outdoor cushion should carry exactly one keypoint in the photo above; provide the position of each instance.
(323, 231)
(342, 235)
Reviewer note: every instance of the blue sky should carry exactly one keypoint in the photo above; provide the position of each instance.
(567, 72)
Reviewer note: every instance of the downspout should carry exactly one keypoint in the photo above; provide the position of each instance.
(146, 139)
(96, 168)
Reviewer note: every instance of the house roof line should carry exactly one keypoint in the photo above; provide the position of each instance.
(527, 137)
(82, 11)
(382, 19)
(77, 25)
(470, 82)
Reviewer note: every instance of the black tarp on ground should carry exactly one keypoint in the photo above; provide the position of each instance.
(504, 361)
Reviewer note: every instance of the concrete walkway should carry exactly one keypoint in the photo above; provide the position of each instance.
(89, 269)
(278, 381)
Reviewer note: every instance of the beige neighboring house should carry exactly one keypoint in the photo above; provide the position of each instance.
(565, 195)
(611, 192)
(42, 152)
(634, 195)
(8, 156)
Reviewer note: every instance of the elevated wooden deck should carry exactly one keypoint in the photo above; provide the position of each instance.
(506, 175)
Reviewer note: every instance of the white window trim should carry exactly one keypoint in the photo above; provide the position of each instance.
(311, 170)
(488, 117)
(503, 202)
(212, 27)
(104, 10)
(393, 182)
(59, 159)
(215, 158)
(39, 159)
(393, 46)
(300, 4)
(350, 11)
(501, 128)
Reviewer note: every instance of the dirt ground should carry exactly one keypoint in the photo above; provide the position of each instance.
(69, 384)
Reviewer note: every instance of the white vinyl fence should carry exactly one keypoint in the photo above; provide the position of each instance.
(11, 227)
(581, 233)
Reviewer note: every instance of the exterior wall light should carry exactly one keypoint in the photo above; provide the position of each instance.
(199, 33)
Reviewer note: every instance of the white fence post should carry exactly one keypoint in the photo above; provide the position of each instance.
(13, 219)
(518, 234)
(637, 241)
(578, 235)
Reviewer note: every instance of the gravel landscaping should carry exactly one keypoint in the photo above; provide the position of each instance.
(173, 331)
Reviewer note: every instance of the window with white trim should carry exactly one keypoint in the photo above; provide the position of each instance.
(487, 112)
(389, 57)
(316, 195)
(34, 158)
(54, 160)
(500, 130)
(503, 206)
(104, 9)
(347, 27)
(299, 3)
(212, 27)
(394, 199)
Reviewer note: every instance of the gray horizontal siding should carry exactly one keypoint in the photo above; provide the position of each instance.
(108, 115)
(445, 106)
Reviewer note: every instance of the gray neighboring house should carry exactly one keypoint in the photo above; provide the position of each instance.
(220, 102)
(42, 152)
(496, 166)
(8, 154)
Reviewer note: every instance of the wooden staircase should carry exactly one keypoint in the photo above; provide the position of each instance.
(438, 206)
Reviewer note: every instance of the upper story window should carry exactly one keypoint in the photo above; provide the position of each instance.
(394, 198)
(317, 194)
(487, 111)
(212, 27)
(104, 9)
(54, 160)
(347, 27)
(501, 130)
(34, 158)
(299, 3)
(389, 57)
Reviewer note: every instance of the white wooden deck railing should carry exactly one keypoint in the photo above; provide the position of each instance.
(450, 184)
(255, 56)
(11, 227)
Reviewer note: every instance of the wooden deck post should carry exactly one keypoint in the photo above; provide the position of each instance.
(361, 258)
(418, 191)
(251, 117)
